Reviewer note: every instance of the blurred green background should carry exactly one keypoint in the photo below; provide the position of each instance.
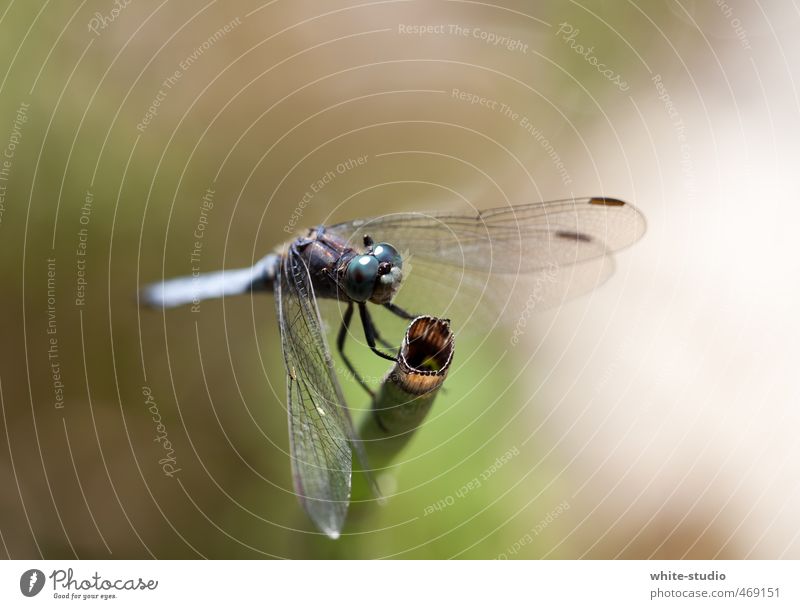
(643, 421)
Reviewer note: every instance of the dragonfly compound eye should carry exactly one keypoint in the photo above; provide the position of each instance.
(386, 253)
(359, 280)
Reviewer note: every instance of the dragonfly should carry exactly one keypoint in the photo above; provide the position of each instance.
(362, 264)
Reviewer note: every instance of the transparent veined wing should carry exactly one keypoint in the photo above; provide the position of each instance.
(321, 432)
(551, 251)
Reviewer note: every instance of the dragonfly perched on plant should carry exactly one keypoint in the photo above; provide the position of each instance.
(360, 262)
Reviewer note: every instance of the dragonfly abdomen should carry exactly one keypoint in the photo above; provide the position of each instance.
(191, 289)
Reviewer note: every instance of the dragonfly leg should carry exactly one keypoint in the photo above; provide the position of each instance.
(399, 311)
(348, 316)
(380, 339)
(369, 332)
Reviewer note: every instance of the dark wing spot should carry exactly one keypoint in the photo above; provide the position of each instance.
(607, 201)
(573, 236)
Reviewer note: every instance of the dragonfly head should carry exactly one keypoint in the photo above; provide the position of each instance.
(374, 275)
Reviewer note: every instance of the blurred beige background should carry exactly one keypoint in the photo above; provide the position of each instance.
(655, 417)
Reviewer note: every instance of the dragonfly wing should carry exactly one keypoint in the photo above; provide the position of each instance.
(557, 249)
(321, 432)
(479, 297)
(511, 239)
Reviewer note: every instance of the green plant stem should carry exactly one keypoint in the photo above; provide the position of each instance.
(408, 391)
